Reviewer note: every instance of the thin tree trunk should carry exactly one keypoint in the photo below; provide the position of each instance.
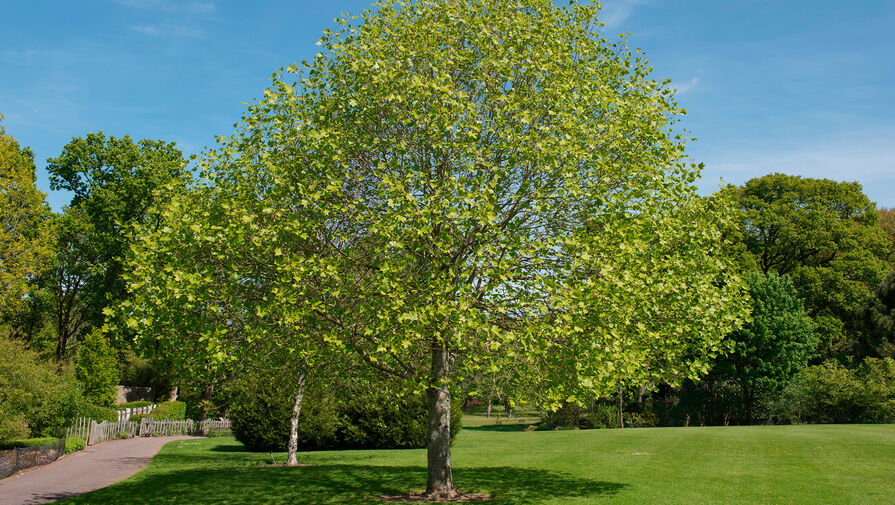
(440, 483)
(508, 408)
(488, 411)
(621, 409)
(292, 458)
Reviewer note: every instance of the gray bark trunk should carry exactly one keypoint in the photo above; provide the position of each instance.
(292, 457)
(440, 483)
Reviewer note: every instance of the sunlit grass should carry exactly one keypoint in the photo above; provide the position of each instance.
(831, 464)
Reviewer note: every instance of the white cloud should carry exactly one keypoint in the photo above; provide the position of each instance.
(615, 12)
(147, 29)
(687, 86)
(866, 157)
(169, 31)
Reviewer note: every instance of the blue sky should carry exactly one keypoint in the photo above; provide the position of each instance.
(800, 87)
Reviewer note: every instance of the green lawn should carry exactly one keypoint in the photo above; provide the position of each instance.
(844, 464)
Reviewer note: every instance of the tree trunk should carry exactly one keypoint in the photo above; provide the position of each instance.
(508, 408)
(621, 409)
(440, 483)
(488, 411)
(206, 400)
(292, 458)
(749, 399)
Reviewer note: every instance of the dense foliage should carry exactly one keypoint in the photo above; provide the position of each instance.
(97, 369)
(34, 400)
(832, 393)
(773, 346)
(25, 224)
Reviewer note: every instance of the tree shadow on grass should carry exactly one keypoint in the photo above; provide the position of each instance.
(500, 427)
(336, 483)
(234, 447)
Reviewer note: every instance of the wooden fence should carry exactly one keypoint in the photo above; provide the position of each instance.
(94, 432)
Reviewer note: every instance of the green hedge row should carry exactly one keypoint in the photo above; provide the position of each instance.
(175, 411)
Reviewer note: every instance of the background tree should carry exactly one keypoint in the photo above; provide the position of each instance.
(466, 174)
(75, 263)
(825, 235)
(25, 224)
(887, 223)
(115, 182)
(97, 369)
(773, 346)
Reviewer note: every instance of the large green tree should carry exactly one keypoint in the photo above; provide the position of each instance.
(116, 183)
(773, 346)
(25, 225)
(447, 178)
(826, 236)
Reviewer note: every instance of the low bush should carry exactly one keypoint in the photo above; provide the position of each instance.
(74, 444)
(219, 433)
(133, 405)
(832, 393)
(175, 411)
(595, 414)
(350, 417)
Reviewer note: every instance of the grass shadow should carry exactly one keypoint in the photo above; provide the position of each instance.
(498, 427)
(336, 483)
(234, 447)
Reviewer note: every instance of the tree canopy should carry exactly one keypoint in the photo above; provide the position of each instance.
(116, 183)
(826, 236)
(25, 224)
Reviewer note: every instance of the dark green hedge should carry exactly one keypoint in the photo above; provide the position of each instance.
(133, 405)
(351, 418)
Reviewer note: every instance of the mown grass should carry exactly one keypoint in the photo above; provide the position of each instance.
(829, 464)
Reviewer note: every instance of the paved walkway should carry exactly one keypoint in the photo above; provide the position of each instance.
(93, 468)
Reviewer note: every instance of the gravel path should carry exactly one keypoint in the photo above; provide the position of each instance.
(93, 468)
